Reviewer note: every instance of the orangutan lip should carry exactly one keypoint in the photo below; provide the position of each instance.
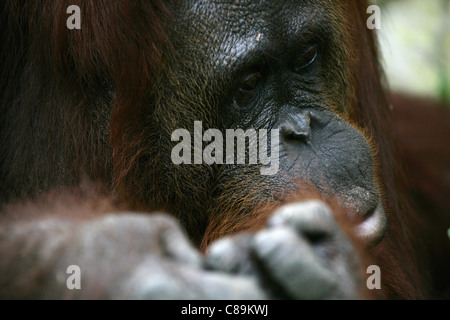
(373, 227)
(369, 213)
(363, 213)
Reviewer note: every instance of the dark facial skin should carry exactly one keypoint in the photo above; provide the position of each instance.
(269, 65)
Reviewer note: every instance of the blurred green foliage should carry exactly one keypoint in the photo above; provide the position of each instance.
(415, 43)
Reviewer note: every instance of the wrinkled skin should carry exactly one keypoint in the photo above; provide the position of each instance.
(231, 64)
(266, 66)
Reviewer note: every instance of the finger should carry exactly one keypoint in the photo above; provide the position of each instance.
(231, 255)
(291, 262)
(167, 280)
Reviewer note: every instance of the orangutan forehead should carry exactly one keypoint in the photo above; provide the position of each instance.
(228, 30)
(241, 17)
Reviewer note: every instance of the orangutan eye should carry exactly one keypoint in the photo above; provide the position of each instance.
(306, 59)
(250, 83)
